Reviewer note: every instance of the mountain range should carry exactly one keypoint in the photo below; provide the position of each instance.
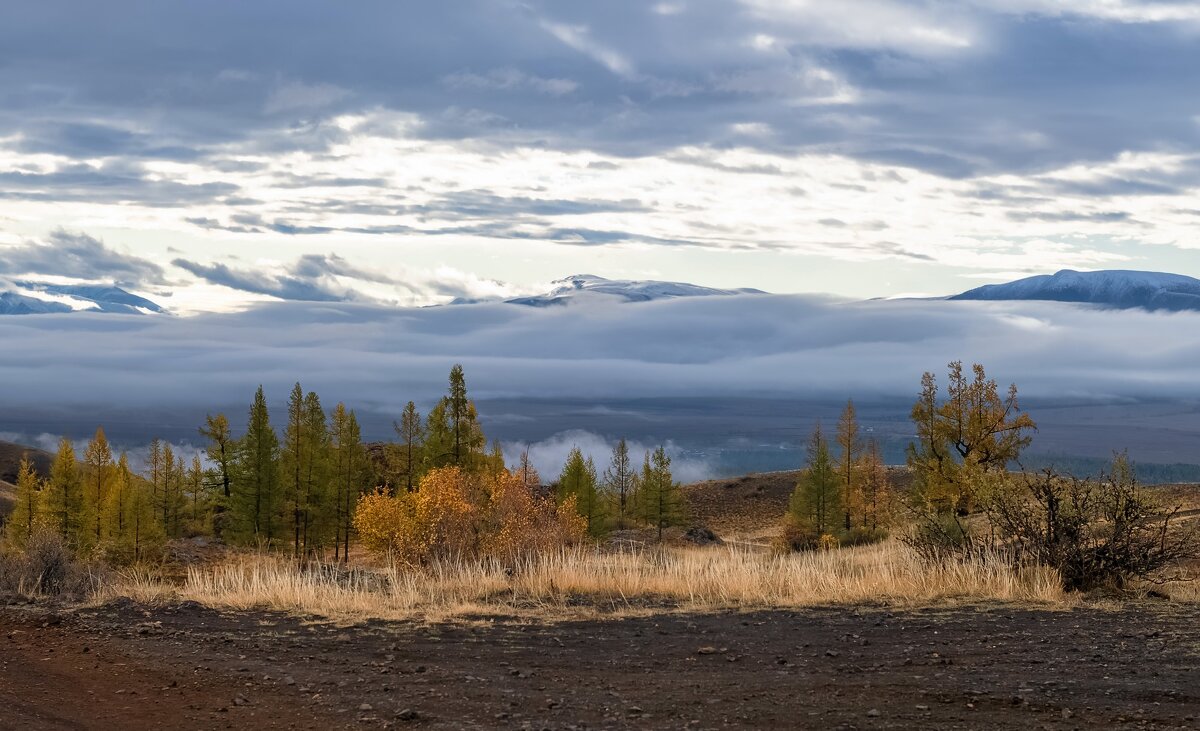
(1116, 289)
(37, 298)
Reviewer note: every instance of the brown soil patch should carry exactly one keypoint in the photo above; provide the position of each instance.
(1000, 667)
(752, 507)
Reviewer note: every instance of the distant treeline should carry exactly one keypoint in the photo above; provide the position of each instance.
(299, 488)
(1147, 472)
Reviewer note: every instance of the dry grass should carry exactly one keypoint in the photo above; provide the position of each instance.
(587, 582)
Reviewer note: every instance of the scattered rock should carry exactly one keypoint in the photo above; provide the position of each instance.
(702, 536)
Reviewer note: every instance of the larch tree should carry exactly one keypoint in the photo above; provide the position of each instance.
(875, 493)
(961, 441)
(168, 473)
(256, 484)
(816, 502)
(406, 456)
(98, 459)
(293, 457)
(63, 495)
(620, 481)
(438, 447)
(458, 412)
(144, 531)
(315, 499)
(120, 498)
(154, 468)
(528, 474)
(577, 483)
(24, 518)
(659, 497)
(134, 529)
(349, 471)
(199, 502)
(850, 446)
(467, 441)
(220, 452)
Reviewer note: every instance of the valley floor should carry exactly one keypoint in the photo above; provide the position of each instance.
(123, 666)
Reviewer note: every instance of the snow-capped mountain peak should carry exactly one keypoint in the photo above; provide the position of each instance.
(588, 285)
(40, 298)
(1124, 289)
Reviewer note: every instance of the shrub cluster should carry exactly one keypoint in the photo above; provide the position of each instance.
(48, 567)
(459, 514)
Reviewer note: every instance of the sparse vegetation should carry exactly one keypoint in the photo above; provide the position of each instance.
(1098, 533)
(47, 567)
(446, 513)
(586, 579)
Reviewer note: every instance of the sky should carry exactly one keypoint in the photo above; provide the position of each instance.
(223, 154)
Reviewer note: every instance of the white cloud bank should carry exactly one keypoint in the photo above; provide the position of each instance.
(377, 358)
(549, 455)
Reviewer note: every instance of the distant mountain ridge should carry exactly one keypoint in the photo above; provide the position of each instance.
(25, 299)
(1114, 288)
(586, 285)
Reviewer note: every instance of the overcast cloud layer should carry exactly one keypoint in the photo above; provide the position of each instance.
(404, 152)
(376, 358)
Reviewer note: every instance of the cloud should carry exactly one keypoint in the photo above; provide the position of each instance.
(509, 79)
(762, 345)
(763, 370)
(620, 126)
(79, 256)
(296, 96)
(549, 455)
(332, 278)
(579, 37)
(313, 279)
(112, 183)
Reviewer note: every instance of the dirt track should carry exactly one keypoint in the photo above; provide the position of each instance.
(981, 667)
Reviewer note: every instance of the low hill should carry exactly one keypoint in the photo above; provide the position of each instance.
(743, 507)
(751, 508)
(10, 461)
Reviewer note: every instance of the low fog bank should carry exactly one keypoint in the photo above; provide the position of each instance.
(730, 382)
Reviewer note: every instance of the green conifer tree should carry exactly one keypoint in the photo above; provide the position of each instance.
(659, 498)
(349, 473)
(220, 451)
(63, 496)
(578, 480)
(316, 501)
(117, 508)
(24, 518)
(98, 459)
(816, 502)
(620, 482)
(406, 456)
(849, 462)
(256, 488)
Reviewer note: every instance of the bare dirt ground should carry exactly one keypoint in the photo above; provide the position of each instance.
(750, 509)
(184, 666)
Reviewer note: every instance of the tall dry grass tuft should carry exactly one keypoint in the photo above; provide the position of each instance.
(584, 581)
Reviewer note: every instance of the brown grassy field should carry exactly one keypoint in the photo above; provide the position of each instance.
(589, 582)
